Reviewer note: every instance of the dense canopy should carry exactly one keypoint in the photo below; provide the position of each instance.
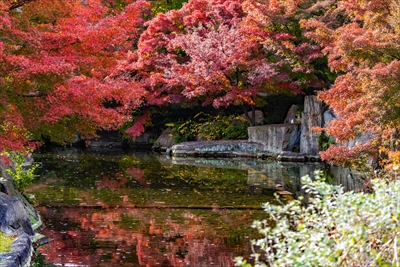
(70, 68)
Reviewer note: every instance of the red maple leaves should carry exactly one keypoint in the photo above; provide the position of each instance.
(68, 68)
(54, 59)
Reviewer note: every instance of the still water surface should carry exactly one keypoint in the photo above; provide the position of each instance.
(142, 209)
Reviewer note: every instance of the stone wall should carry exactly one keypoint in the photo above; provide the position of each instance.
(292, 137)
(276, 137)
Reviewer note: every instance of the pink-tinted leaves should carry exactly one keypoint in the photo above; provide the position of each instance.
(137, 128)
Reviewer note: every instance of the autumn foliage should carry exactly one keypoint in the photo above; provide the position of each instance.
(222, 53)
(54, 56)
(365, 49)
(70, 68)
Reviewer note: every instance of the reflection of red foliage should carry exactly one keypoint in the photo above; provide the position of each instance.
(133, 237)
(138, 175)
(119, 182)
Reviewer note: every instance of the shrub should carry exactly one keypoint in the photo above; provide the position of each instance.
(22, 173)
(333, 228)
(211, 127)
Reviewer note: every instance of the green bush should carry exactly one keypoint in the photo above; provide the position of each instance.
(325, 141)
(210, 127)
(22, 174)
(334, 228)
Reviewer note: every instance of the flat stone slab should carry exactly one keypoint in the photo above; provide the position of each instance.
(216, 148)
(231, 149)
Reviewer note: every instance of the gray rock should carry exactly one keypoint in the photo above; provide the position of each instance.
(21, 249)
(276, 137)
(259, 116)
(329, 115)
(359, 140)
(165, 140)
(291, 115)
(311, 117)
(223, 148)
(7, 187)
(13, 217)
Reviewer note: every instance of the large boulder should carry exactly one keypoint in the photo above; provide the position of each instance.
(13, 218)
(276, 137)
(223, 148)
(311, 117)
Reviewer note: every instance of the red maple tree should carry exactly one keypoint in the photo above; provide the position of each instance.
(54, 60)
(215, 52)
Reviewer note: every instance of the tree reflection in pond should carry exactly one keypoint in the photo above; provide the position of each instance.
(131, 210)
(137, 209)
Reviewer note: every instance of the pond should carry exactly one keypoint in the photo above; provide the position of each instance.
(143, 209)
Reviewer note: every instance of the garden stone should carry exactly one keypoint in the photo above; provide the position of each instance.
(20, 255)
(311, 117)
(165, 140)
(291, 115)
(13, 217)
(276, 137)
(329, 115)
(259, 116)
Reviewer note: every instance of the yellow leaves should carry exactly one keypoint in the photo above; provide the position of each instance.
(394, 18)
(8, 79)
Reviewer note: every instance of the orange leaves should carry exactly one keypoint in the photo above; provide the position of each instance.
(366, 97)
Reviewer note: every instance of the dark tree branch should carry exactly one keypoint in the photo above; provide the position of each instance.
(19, 3)
(246, 115)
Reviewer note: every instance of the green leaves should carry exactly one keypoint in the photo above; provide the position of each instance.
(21, 172)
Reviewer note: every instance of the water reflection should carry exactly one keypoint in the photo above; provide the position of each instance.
(139, 209)
(146, 237)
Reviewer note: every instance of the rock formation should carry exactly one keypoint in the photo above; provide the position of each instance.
(311, 117)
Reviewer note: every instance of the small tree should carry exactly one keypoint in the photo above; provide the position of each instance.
(54, 60)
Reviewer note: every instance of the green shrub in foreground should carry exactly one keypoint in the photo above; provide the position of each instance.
(335, 228)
